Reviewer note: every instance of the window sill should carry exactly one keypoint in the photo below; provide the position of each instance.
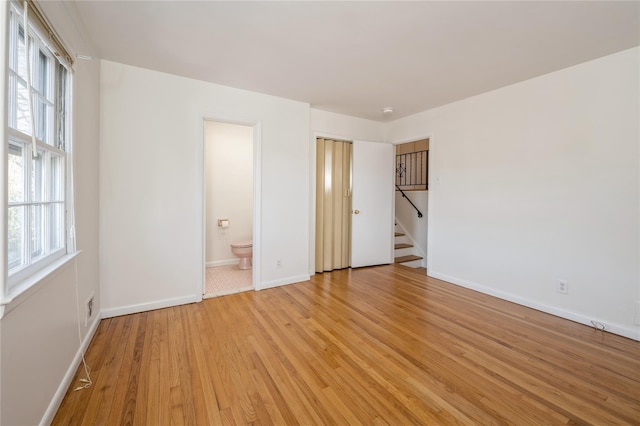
(30, 285)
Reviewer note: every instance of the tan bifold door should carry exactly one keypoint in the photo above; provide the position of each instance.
(333, 204)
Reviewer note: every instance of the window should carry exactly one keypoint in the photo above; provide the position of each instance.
(36, 152)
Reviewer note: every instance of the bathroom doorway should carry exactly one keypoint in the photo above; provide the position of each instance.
(228, 208)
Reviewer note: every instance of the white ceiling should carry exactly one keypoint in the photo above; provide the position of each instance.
(357, 57)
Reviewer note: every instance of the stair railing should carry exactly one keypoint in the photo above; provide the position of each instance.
(409, 200)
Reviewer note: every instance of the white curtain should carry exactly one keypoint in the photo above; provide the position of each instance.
(333, 204)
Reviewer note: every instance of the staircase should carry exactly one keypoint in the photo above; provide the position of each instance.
(405, 252)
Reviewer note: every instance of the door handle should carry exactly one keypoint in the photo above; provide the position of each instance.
(356, 212)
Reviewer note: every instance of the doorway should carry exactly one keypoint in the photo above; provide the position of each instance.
(229, 193)
(412, 202)
(371, 204)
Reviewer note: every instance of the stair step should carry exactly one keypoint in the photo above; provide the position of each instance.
(402, 245)
(399, 234)
(409, 258)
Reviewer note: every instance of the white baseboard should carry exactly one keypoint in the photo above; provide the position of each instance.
(58, 396)
(225, 262)
(150, 306)
(621, 330)
(283, 281)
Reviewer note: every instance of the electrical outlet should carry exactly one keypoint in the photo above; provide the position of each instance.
(278, 263)
(88, 310)
(563, 287)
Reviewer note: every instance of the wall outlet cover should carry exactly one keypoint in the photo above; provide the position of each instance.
(88, 309)
(563, 287)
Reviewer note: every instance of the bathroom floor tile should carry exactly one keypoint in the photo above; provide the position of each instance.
(228, 279)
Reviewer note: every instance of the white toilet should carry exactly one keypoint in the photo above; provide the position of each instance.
(243, 250)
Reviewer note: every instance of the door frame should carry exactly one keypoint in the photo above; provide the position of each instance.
(257, 189)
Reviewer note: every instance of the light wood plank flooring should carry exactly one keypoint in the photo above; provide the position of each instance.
(373, 346)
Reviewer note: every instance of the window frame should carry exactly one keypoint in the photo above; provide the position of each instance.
(51, 91)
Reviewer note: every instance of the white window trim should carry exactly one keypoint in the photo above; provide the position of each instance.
(33, 283)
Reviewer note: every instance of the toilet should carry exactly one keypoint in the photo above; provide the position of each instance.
(243, 250)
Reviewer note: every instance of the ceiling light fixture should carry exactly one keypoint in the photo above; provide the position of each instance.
(387, 111)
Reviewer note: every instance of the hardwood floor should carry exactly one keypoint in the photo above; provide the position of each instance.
(373, 346)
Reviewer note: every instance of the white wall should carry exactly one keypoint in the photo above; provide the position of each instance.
(229, 189)
(539, 181)
(39, 338)
(151, 185)
(340, 126)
